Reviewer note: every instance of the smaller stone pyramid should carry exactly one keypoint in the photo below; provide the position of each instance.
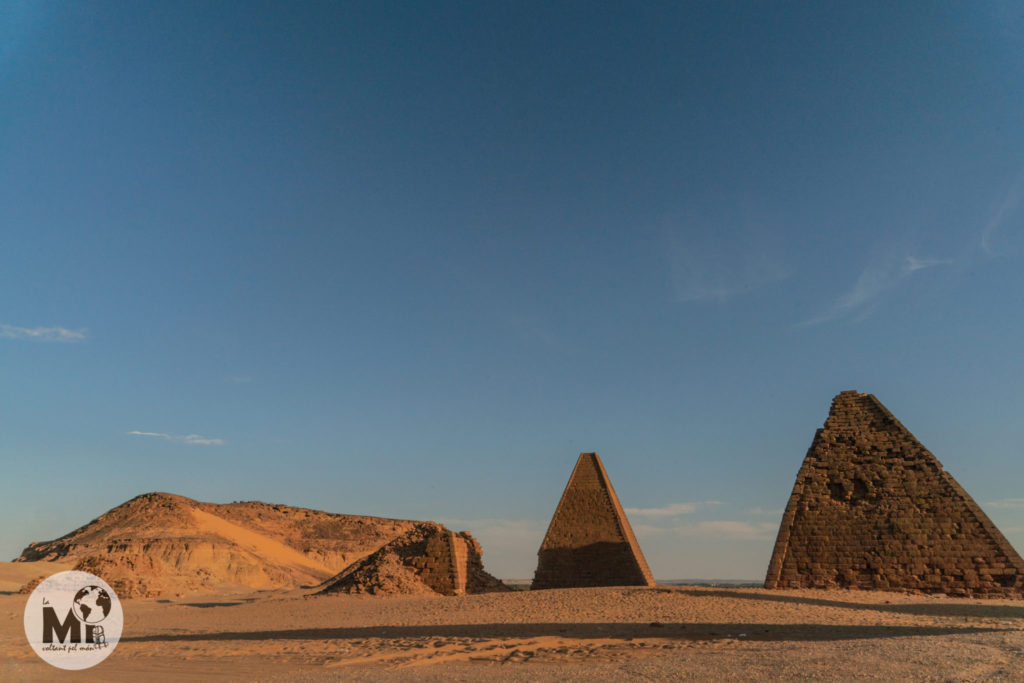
(589, 541)
(873, 509)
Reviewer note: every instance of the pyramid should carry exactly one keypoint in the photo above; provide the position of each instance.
(873, 509)
(589, 541)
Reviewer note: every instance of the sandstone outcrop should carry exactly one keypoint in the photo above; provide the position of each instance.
(873, 509)
(428, 559)
(589, 541)
(160, 544)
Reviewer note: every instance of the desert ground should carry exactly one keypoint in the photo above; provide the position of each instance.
(665, 632)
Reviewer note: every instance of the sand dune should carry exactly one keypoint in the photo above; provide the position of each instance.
(256, 543)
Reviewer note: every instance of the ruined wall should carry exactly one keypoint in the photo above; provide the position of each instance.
(589, 541)
(872, 508)
(429, 559)
(449, 561)
(435, 564)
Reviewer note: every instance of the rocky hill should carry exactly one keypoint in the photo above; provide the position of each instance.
(160, 544)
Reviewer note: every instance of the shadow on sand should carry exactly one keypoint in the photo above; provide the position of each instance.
(206, 605)
(949, 607)
(210, 604)
(624, 631)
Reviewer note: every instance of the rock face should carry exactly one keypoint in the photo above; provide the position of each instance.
(159, 544)
(589, 541)
(873, 509)
(429, 559)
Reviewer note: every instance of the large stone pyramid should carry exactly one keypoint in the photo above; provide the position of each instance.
(872, 508)
(589, 541)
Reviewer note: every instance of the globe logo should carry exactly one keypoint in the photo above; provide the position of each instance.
(73, 619)
(91, 605)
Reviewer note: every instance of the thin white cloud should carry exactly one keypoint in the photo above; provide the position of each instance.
(671, 510)
(199, 440)
(1001, 213)
(733, 529)
(58, 334)
(766, 512)
(914, 264)
(1008, 503)
(190, 439)
(876, 279)
(699, 275)
(719, 529)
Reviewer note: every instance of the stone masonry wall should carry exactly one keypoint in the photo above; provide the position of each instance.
(453, 565)
(435, 565)
(873, 509)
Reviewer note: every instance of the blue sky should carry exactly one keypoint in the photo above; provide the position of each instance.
(410, 259)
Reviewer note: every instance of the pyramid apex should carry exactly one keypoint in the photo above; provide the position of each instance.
(850, 393)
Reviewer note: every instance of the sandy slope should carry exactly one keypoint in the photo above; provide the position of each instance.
(14, 575)
(598, 633)
(262, 546)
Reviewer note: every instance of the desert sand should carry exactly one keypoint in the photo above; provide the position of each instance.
(232, 592)
(677, 632)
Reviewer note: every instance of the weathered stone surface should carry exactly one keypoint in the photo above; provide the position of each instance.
(428, 559)
(589, 541)
(873, 509)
